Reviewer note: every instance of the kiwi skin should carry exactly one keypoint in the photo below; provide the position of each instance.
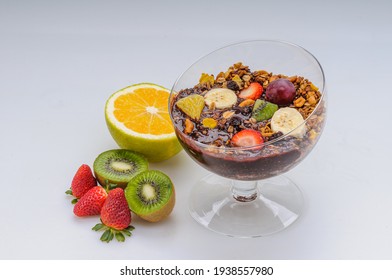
(162, 213)
(103, 182)
(103, 179)
(165, 209)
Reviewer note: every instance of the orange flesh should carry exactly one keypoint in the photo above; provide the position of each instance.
(145, 111)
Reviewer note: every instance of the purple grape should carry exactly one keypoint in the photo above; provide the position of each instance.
(280, 92)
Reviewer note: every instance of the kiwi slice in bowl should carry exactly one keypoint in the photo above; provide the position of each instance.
(150, 195)
(118, 167)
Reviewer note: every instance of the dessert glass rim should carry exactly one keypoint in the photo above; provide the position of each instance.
(277, 139)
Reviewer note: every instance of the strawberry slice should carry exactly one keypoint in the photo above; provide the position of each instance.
(247, 138)
(254, 91)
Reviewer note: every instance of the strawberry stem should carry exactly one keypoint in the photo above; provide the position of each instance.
(109, 186)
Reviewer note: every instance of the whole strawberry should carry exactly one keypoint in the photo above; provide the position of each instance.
(115, 217)
(91, 203)
(82, 182)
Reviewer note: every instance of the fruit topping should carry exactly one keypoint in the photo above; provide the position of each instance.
(91, 203)
(287, 120)
(150, 195)
(191, 105)
(247, 102)
(254, 91)
(299, 102)
(233, 85)
(209, 123)
(237, 80)
(207, 79)
(263, 110)
(280, 91)
(247, 138)
(313, 87)
(259, 94)
(221, 97)
(118, 167)
(188, 126)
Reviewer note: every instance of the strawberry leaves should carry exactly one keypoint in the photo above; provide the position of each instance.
(110, 233)
(69, 192)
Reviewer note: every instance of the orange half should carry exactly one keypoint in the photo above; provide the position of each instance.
(142, 108)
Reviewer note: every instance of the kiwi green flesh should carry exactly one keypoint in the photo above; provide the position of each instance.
(118, 166)
(263, 110)
(148, 192)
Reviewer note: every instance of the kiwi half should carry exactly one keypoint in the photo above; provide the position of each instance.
(118, 166)
(150, 195)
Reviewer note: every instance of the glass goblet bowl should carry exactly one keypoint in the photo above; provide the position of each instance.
(246, 195)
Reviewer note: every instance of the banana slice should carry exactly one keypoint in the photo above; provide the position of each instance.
(221, 97)
(286, 119)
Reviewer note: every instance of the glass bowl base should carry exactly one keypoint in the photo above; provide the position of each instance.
(276, 204)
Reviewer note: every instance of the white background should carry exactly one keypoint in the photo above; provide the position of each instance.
(61, 60)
